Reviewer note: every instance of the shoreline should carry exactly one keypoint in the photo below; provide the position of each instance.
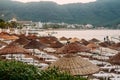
(75, 29)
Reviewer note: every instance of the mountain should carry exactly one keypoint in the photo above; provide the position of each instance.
(99, 13)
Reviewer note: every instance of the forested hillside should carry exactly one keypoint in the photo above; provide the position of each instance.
(100, 13)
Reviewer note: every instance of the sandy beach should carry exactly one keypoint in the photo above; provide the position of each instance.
(86, 34)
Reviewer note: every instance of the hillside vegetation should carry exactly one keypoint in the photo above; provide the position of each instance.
(99, 13)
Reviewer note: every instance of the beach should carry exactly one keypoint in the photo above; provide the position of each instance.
(78, 52)
(87, 34)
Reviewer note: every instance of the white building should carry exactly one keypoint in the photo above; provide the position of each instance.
(13, 20)
(38, 25)
(70, 26)
(89, 26)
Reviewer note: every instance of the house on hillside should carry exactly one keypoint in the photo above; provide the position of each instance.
(38, 25)
(27, 24)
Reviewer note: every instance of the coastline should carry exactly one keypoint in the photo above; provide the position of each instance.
(85, 34)
(75, 29)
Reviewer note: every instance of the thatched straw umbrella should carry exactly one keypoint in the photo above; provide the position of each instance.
(106, 43)
(92, 46)
(16, 49)
(22, 36)
(56, 44)
(8, 36)
(51, 41)
(3, 43)
(13, 49)
(12, 37)
(32, 37)
(15, 34)
(94, 40)
(115, 46)
(22, 41)
(103, 44)
(73, 48)
(4, 33)
(75, 39)
(115, 59)
(75, 65)
(48, 39)
(83, 41)
(33, 44)
(63, 39)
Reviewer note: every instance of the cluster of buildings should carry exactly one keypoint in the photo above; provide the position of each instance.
(27, 24)
(40, 25)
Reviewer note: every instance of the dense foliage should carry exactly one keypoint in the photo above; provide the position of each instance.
(4, 24)
(99, 13)
(55, 74)
(13, 70)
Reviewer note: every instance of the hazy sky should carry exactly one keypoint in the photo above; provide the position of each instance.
(59, 1)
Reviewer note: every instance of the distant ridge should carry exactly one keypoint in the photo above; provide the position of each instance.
(99, 13)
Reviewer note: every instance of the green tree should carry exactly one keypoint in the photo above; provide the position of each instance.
(2, 23)
(13, 24)
(1, 20)
(13, 70)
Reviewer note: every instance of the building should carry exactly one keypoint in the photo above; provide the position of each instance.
(38, 25)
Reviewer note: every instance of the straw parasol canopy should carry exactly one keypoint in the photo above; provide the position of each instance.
(47, 39)
(22, 36)
(94, 40)
(51, 41)
(22, 41)
(15, 34)
(4, 33)
(3, 43)
(75, 39)
(13, 49)
(73, 48)
(92, 45)
(31, 36)
(115, 59)
(116, 46)
(75, 65)
(0, 46)
(83, 41)
(63, 39)
(103, 44)
(9, 37)
(56, 44)
(33, 44)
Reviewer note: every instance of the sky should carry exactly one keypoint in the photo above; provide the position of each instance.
(59, 1)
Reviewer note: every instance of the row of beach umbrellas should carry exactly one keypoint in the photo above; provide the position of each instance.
(70, 63)
(54, 42)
